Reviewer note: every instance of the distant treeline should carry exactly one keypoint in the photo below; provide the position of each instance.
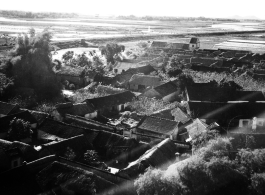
(171, 18)
(25, 14)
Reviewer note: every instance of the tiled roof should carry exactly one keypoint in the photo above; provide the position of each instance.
(179, 115)
(204, 93)
(60, 129)
(80, 109)
(155, 124)
(6, 108)
(166, 88)
(111, 100)
(227, 111)
(146, 80)
(196, 127)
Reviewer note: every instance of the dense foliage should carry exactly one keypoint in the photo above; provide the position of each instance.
(110, 50)
(211, 170)
(25, 14)
(32, 66)
(19, 129)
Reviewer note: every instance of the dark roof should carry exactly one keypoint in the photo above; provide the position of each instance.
(39, 116)
(155, 124)
(227, 111)
(6, 108)
(166, 89)
(4, 144)
(111, 100)
(158, 155)
(78, 144)
(179, 115)
(19, 180)
(147, 80)
(87, 123)
(205, 93)
(81, 180)
(60, 129)
(147, 69)
(194, 40)
(80, 109)
(159, 44)
(24, 115)
(165, 113)
(28, 152)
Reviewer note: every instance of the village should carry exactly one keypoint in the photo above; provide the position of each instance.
(147, 107)
(105, 137)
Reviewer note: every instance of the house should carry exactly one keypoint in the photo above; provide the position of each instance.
(180, 116)
(24, 115)
(194, 43)
(225, 114)
(79, 109)
(7, 109)
(206, 61)
(158, 44)
(77, 144)
(72, 75)
(155, 128)
(167, 92)
(201, 92)
(12, 154)
(57, 177)
(139, 82)
(110, 103)
(117, 147)
(88, 123)
(133, 66)
(192, 129)
(52, 130)
(160, 155)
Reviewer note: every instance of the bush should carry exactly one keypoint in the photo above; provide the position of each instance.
(258, 183)
(19, 129)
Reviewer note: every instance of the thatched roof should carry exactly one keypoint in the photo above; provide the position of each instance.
(111, 100)
(159, 125)
(164, 113)
(196, 127)
(146, 80)
(157, 156)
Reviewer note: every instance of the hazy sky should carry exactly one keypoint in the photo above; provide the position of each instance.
(193, 8)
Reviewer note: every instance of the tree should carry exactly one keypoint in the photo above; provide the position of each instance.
(110, 50)
(19, 129)
(70, 154)
(91, 157)
(67, 57)
(32, 65)
(173, 72)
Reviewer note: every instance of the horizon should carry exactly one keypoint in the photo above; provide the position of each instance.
(171, 8)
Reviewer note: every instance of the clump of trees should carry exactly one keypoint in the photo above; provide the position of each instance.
(110, 50)
(211, 170)
(32, 64)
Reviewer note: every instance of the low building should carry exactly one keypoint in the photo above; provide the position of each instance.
(79, 109)
(194, 43)
(155, 128)
(139, 82)
(227, 115)
(167, 92)
(111, 103)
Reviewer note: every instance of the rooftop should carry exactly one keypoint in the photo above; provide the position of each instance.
(155, 124)
(147, 80)
(166, 88)
(6, 108)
